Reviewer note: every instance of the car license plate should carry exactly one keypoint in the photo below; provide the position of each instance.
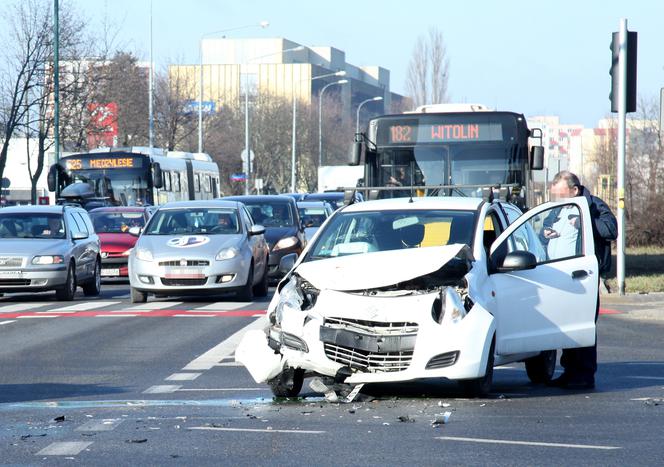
(184, 274)
(110, 272)
(11, 274)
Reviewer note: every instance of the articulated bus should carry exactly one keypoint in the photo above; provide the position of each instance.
(133, 177)
(447, 149)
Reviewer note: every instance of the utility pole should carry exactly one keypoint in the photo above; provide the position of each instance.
(56, 84)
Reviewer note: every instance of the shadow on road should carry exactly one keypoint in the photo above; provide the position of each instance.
(52, 391)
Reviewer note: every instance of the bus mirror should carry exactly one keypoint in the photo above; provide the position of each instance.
(157, 176)
(537, 157)
(50, 178)
(356, 153)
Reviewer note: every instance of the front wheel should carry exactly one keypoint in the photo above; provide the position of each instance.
(288, 383)
(261, 289)
(480, 387)
(138, 296)
(246, 293)
(540, 368)
(93, 288)
(67, 291)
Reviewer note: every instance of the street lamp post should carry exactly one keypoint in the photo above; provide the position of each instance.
(246, 111)
(294, 137)
(262, 24)
(357, 120)
(320, 118)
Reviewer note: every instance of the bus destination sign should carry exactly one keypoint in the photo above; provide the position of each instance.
(103, 163)
(405, 133)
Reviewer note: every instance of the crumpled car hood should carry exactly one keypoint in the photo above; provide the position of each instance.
(379, 269)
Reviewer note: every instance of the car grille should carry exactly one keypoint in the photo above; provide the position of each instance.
(11, 261)
(443, 360)
(183, 282)
(373, 327)
(190, 262)
(369, 361)
(14, 281)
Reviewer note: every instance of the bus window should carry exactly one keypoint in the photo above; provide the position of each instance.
(197, 183)
(167, 180)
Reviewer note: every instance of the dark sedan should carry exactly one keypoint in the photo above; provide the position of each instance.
(284, 231)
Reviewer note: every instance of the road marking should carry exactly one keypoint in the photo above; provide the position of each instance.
(183, 376)
(162, 389)
(526, 443)
(116, 315)
(85, 306)
(22, 307)
(222, 389)
(64, 448)
(657, 378)
(106, 424)
(255, 430)
(153, 306)
(223, 306)
(121, 296)
(605, 311)
(37, 316)
(7, 322)
(225, 348)
(59, 312)
(644, 363)
(194, 316)
(229, 364)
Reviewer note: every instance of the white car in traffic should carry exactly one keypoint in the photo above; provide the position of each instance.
(406, 289)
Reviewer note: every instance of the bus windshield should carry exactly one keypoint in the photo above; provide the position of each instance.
(127, 187)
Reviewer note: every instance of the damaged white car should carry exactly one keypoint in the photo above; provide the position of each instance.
(407, 289)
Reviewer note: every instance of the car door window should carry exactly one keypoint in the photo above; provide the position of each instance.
(81, 223)
(73, 225)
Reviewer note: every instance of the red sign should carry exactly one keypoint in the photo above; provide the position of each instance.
(42, 200)
(103, 126)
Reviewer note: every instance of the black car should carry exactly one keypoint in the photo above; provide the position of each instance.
(335, 198)
(284, 231)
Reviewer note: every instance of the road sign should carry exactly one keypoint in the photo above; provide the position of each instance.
(259, 183)
(238, 177)
(243, 155)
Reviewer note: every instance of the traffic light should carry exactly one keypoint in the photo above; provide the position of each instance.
(631, 71)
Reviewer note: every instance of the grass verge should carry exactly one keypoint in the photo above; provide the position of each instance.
(644, 270)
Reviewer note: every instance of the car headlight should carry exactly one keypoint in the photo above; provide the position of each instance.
(286, 242)
(55, 259)
(227, 253)
(144, 254)
(128, 252)
(449, 307)
(290, 299)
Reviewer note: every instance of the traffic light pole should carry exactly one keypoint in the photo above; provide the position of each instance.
(622, 112)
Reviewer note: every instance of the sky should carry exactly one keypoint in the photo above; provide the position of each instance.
(536, 58)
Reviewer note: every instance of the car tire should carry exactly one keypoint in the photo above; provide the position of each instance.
(288, 383)
(480, 387)
(93, 287)
(540, 368)
(67, 291)
(261, 289)
(246, 293)
(138, 296)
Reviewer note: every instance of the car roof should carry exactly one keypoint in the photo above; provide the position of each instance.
(429, 202)
(312, 204)
(120, 209)
(213, 203)
(326, 195)
(34, 208)
(260, 198)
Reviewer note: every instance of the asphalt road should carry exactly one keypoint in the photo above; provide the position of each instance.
(105, 382)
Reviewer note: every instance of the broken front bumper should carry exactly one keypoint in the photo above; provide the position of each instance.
(372, 339)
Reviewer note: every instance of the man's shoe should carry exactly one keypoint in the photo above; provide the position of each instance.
(566, 381)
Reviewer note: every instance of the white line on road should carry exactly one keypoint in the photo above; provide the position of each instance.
(162, 389)
(59, 312)
(153, 306)
(213, 356)
(22, 307)
(37, 316)
(65, 448)
(526, 443)
(657, 378)
(106, 424)
(121, 296)
(183, 376)
(229, 364)
(7, 322)
(223, 389)
(85, 306)
(254, 430)
(224, 306)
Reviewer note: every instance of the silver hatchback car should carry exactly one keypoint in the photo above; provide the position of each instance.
(199, 247)
(49, 248)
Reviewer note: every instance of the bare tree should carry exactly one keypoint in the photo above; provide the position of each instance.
(428, 70)
(175, 122)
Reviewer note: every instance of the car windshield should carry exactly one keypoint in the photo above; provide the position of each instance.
(271, 214)
(116, 222)
(193, 221)
(366, 232)
(312, 217)
(31, 225)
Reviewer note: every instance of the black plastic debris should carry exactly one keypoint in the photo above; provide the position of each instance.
(59, 419)
(24, 437)
(405, 419)
(137, 441)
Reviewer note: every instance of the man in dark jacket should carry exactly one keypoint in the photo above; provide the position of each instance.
(580, 364)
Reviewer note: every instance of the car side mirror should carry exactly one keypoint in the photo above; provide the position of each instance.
(157, 176)
(537, 157)
(356, 151)
(79, 236)
(135, 231)
(287, 263)
(518, 261)
(256, 229)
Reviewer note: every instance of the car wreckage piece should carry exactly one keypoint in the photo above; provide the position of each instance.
(388, 316)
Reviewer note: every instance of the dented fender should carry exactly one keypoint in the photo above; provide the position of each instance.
(256, 355)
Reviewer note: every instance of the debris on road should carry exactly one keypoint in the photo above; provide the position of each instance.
(353, 394)
(405, 419)
(137, 441)
(24, 437)
(317, 385)
(441, 419)
(59, 419)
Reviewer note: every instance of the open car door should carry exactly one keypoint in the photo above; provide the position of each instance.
(544, 274)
